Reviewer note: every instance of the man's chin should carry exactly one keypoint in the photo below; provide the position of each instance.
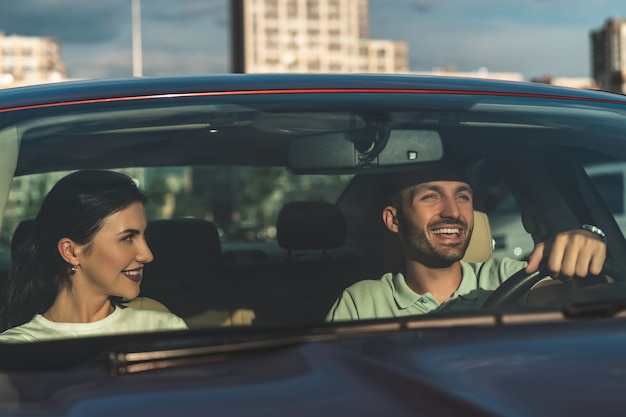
(452, 251)
(441, 259)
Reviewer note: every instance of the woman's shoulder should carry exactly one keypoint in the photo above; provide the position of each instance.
(27, 332)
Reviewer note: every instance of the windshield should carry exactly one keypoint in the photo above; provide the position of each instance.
(279, 209)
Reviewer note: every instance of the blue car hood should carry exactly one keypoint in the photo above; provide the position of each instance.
(541, 370)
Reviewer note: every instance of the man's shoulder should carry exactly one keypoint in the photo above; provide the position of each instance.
(366, 299)
(371, 286)
(495, 269)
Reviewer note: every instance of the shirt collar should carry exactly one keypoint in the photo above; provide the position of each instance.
(402, 293)
(405, 296)
(469, 283)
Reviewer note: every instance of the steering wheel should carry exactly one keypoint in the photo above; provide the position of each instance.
(512, 289)
(521, 282)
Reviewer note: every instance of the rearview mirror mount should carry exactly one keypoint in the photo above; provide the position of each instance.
(352, 152)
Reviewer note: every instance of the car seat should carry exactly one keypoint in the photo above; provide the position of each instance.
(317, 265)
(310, 225)
(481, 243)
(188, 273)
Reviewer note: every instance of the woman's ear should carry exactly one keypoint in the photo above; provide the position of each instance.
(67, 250)
(390, 218)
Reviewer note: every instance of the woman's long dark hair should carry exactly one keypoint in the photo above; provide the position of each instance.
(75, 208)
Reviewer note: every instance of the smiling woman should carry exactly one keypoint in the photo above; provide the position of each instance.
(86, 246)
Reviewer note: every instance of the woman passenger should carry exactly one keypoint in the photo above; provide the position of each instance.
(87, 249)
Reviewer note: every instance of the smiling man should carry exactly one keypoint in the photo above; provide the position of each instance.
(431, 214)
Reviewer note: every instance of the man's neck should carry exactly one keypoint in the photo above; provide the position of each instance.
(441, 283)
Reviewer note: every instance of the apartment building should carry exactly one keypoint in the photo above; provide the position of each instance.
(309, 36)
(608, 55)
(29, 60)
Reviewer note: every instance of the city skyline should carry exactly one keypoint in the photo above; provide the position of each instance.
(533, 37)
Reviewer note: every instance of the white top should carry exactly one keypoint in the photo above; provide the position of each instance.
(122, 320)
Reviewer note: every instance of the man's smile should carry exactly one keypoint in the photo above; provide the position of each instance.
(447, 231)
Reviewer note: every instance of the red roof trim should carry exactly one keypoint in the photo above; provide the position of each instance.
(312, 91)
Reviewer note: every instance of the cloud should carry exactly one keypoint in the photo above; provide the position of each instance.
(185, 11)
(185, 37)
(191, 36)
(420, 6)
(533, 37)
(69, 22)
(178, 37)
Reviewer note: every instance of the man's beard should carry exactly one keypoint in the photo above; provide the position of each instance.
(419, 248)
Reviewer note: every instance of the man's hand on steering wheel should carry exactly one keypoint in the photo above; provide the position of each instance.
(567, 255)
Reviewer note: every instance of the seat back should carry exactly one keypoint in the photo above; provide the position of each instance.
(481, 243)
(187, 272)
(319, 266)
(310, 225)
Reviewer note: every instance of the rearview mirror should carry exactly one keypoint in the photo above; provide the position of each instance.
(351, 152)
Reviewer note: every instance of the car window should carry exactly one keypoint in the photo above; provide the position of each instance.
(244, 204)
(611, 188)
(267, 205)
(243, 201)
(510, 237)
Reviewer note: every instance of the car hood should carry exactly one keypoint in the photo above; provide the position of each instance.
(540, 370)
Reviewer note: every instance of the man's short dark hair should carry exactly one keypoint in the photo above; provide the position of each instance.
(397, 181)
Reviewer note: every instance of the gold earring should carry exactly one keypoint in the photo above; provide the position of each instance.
(74, 269)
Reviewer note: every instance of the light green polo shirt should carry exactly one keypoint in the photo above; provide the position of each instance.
(390, 296)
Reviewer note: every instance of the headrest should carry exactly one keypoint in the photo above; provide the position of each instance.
(481, 242)
(187, 240)
(310, 225)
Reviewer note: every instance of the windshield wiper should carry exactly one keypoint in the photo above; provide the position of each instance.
(122, 363)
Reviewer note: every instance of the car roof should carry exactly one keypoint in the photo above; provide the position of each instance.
(64, 115)
(72, 92)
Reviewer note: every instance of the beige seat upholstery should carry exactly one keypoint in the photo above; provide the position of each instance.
(481, 243)
(146, 303)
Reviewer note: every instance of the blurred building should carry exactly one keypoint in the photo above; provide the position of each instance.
(480, 73)
(608, 55)
(309, 36)
(572, 82)
(29, 60)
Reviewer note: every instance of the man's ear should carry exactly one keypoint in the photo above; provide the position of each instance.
(390, 218)
(68, 250)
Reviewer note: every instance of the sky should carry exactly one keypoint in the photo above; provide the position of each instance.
(190, 37)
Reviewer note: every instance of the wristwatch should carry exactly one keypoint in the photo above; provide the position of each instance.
(595, 230)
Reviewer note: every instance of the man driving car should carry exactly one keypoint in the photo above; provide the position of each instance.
(431, 214)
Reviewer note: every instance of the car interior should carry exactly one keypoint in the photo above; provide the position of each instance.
(322, 228)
